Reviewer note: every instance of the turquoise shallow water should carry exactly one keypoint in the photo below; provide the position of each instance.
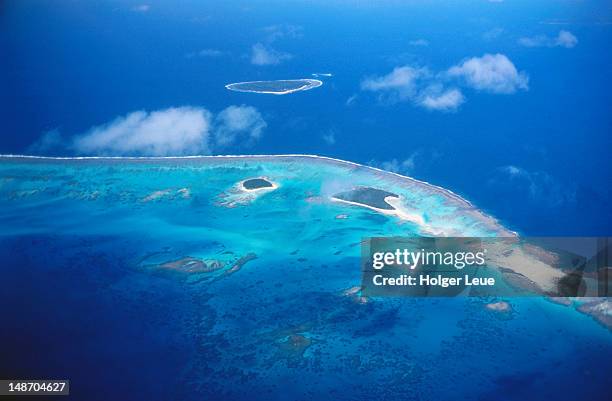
(165, 278)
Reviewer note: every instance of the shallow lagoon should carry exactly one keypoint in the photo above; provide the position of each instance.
(100, 271)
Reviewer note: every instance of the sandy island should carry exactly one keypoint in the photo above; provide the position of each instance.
(382, 202)
(258, 184)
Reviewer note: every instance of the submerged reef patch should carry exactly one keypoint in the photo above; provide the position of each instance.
(600, 309)
(500, 306)
(192, 265)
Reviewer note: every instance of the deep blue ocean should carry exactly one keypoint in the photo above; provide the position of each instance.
(77, 297)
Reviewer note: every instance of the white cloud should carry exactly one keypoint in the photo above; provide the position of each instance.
(534, 41)
(436, 98)
(399, 166)
(275, 32)
(492, 33)
(169, 132)
(402, 81)
(419, 161)
(50, 142)
(493, 73)
(512, 170)
(417, 85)
(555, 22)
(566, 39)
(141, 8)
(537, 186)
(175, 131)
(265, 55)
(238, 122)
(419, 42)
(330, 137)
(351, 100)
(206, 53)
(563, 39)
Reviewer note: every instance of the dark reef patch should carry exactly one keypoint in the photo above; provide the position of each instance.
(192, 265)
(368, 196)
(256, 183)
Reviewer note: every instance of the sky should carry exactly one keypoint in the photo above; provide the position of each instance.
(506, 103)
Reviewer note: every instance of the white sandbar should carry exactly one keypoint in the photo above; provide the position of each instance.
(308, 84)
